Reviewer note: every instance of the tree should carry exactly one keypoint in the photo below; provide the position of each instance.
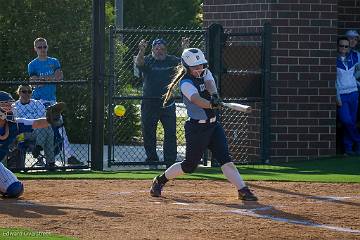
(162, 13)
(67, 26)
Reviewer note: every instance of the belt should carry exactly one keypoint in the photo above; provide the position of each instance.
(210, 120)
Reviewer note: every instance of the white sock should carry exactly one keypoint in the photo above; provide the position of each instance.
(174, 171)
(233, 175)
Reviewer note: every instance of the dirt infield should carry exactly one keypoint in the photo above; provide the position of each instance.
(118, 209)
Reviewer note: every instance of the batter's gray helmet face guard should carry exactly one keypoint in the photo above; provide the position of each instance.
(193, 57)
(6, 101)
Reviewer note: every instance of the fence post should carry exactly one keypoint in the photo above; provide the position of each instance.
(111, 92)
(266, 76)
(215, 44)
(97, 118)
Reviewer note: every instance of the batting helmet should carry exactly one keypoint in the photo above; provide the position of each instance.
(192, 57)
(6, 100)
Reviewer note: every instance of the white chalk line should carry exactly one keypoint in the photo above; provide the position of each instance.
(252, 213)
(248, 212)
(181, 203)
(334, 198)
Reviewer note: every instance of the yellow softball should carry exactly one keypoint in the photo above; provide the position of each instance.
(119, 110)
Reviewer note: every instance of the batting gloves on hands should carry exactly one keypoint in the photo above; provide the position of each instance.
(215, 101)
(53, 114)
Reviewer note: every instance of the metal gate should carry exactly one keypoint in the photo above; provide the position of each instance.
(239, 63)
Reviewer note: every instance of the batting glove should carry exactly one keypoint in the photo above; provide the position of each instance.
(215, 101)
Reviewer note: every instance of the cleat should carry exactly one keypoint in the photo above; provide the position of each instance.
(246, 195)
(51, 167)
(39, 163)
(156, 187)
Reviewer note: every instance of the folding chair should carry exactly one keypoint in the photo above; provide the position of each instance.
(20, 151)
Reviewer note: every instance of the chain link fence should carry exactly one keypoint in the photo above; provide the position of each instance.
(71, 143)
(240, 80)
(125, 136)
(71, 44)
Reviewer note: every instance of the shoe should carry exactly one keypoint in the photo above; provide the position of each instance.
(246, 195)
(50, 166)
(73, 161)
(39, 163)
(156, 187)
(36, 151)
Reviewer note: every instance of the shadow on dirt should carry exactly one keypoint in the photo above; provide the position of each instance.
(27, 209)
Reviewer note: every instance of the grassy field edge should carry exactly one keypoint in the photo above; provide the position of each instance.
(322, 170)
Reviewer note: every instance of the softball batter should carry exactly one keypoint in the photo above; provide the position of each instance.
(202, 130)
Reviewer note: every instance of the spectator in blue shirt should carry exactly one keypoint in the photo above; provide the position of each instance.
(45, 68)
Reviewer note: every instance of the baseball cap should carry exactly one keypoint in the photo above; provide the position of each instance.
(158, 41)
(352, 33)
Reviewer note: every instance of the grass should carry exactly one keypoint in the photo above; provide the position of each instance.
(26, 234)
(322, 170)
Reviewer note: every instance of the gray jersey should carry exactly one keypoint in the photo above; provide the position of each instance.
(190, 85)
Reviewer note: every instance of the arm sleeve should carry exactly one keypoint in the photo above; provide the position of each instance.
(188, 89)
(209, 77)
(210, 82)
(145, 68)
(31, 70)
(357, 67)
(357, 83)
(337, 92)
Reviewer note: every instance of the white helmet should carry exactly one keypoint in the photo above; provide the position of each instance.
(192, 57)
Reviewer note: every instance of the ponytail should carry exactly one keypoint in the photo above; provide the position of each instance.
(179, 74)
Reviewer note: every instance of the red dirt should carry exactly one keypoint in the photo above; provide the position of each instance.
(118, 209)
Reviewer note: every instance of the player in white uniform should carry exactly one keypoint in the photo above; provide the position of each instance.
(10, 127)
(29, 108)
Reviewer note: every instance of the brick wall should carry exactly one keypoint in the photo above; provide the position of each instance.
(348, 15)
(303, 68)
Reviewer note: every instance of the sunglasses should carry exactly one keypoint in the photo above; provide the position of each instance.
(40, 47)
(344, 46)
(26, 91)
